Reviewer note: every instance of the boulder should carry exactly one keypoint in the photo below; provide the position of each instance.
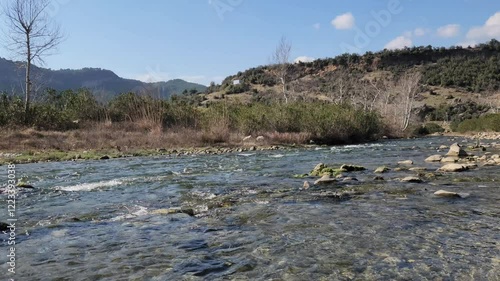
(456, 150)
(405, 162)
(247, 138)
(444, 193)
(378, 178)
(349, 179)
(453, 168)
(449, 160)
(105, 157)
(412, 179)
(418, 169)
(326, 179)
(381, 170)
(318, 170)
(434, 158)
(443, 147)
(352, 168)
(3, 226)
(260, 138)
(305, 185)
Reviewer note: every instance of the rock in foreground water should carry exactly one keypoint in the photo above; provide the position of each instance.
(412, 179)
(456, 150)
(326, 179)
(453, 168)
(444, 193)
(434, 158)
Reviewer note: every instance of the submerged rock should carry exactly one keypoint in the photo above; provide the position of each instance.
(444, 193)
(456, 150)
(378, 178)
(453, 168)
(434, 158)
(449, 160)
(305, 185)
(352, 168)
(25, 185)
(349, 179)
(3, 226)
(326, 179)
(412, 179)
(321, 170)
(418, 169)
(381, 170)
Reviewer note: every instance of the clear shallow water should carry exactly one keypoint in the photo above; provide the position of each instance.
(107, 220)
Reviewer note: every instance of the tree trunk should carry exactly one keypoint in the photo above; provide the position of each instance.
(284, 89)
(28, 78)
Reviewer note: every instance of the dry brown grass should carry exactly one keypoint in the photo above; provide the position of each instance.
(286, 138)
(125, 136)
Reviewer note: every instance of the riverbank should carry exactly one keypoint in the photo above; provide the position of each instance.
(107, 142)
(103, 142)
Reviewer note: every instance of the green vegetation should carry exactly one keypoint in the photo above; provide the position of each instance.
(322, 122)
(473, 69)
(427, 129)
(489, 122)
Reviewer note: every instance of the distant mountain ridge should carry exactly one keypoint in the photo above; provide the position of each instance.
(104, 83)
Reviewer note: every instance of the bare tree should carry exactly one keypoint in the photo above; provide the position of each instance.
(408, 86)
(281, 58)
(31, 35)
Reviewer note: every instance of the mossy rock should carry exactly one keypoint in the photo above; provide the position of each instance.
(381, 170)
(352, 168)
(321, 170)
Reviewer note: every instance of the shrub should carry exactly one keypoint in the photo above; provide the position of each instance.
(489, 122)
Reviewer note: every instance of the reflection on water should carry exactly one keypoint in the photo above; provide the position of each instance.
(245, 217)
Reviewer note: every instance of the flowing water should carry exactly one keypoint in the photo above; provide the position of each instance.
(245, 217)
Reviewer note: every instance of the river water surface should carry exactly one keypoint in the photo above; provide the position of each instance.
(245, 217)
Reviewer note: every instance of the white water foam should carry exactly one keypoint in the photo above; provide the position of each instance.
(89, 186)
(140, 211)
(277, 156)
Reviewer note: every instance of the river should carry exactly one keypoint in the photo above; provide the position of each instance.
(245, 217)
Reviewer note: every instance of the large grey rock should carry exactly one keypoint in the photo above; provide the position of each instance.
(453, 168)
(412, 179)
(434, 158)
(456, 150)
(449, 160)
(444, 193)
(405, 162)
(326, 179)
(381, 170)
(352, 168)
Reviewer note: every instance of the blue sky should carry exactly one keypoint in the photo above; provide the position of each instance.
(207, 40)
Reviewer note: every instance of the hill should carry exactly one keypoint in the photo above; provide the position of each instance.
(474, 70)
(105, 84)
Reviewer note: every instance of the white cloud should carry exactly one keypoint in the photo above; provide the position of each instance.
(448, 31)
(317, 26)
(344, 21)
(419, 32)
(303, 59)
(399, 43)
(490, 30)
